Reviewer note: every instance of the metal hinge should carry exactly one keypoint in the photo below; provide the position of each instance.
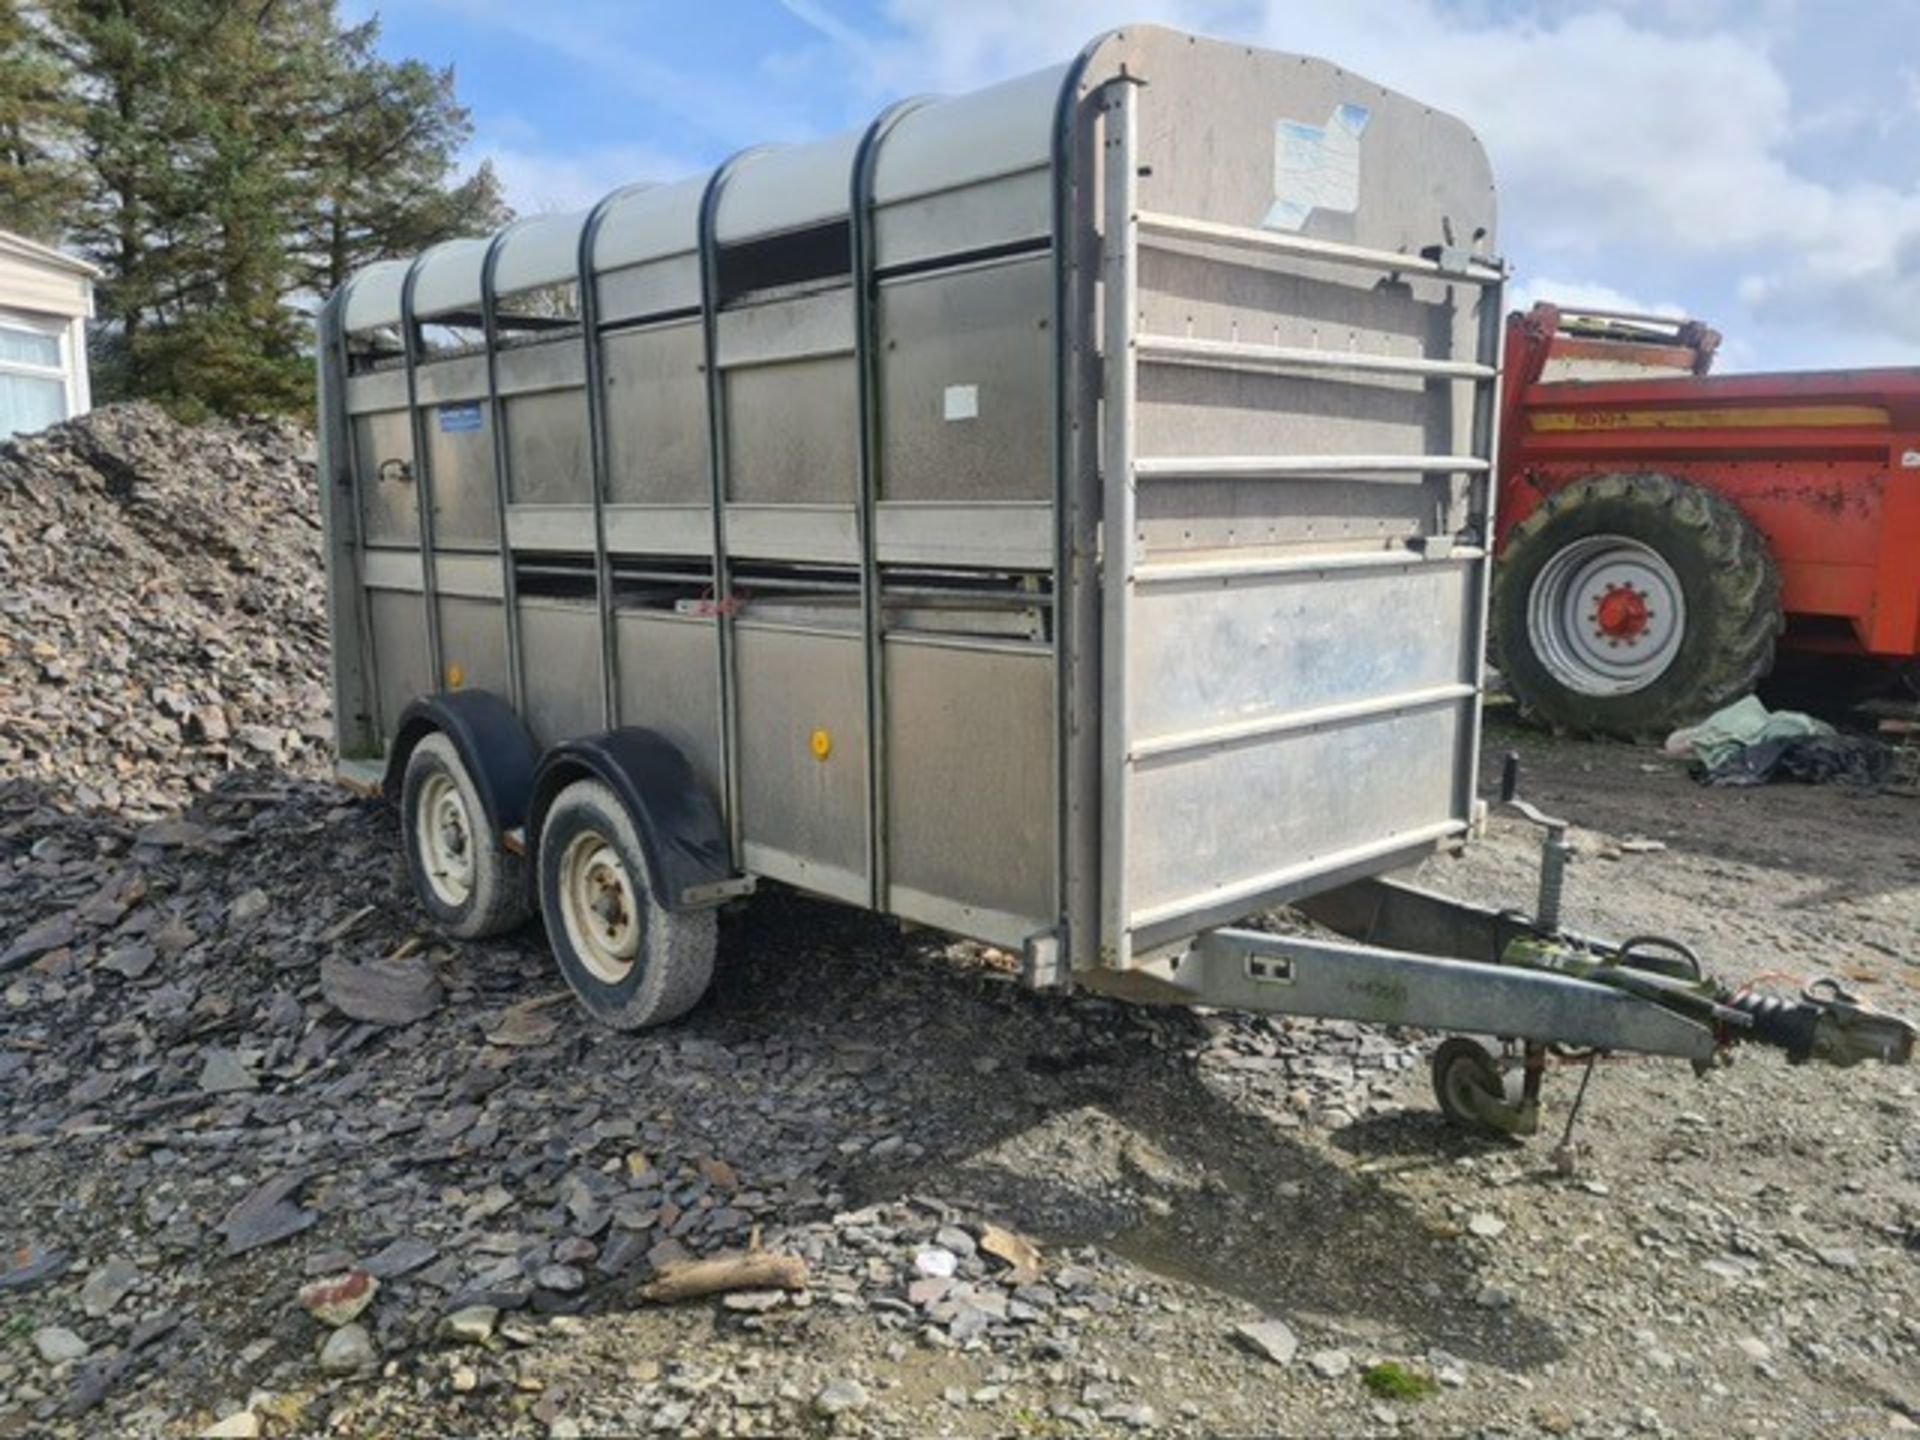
(1459, 260)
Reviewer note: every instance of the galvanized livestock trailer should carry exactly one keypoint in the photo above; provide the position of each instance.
(1058, 514)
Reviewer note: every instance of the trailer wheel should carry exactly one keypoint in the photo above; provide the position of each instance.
(1470, 1088)
(1632, 604)
(630, 960)
(466, 881)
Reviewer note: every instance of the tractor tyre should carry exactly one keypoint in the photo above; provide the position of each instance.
(1630, 605)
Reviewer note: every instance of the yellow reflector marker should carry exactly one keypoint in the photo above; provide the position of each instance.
(821, 744)
(456, 677)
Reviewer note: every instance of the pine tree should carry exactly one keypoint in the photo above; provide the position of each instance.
(40, 177)
(135, 141)
(384, 163)
(242, 156)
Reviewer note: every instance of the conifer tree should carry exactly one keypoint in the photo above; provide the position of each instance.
(239, 158)
(40, 176)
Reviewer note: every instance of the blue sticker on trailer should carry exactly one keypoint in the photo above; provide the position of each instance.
(459, 419)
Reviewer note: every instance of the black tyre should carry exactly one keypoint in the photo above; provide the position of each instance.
(630, 960)
(1474, 1094)
(469, 885)
(1630, 605)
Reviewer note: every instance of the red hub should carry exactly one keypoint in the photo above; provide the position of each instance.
(1622, 614)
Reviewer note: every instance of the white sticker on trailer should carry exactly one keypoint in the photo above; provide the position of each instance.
(962, 402)
(1316, 167)
(1910, 460)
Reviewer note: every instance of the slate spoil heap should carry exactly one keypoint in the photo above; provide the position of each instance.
(162, 608)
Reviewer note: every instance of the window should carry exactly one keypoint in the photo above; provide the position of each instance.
(33, 378)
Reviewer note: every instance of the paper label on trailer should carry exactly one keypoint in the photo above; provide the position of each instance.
(962, 402)
(1910, 460)
(1316, 167)
(459, 419)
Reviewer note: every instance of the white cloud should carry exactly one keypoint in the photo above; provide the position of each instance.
(538, 181)
(1585, 294)
(1613, 133)
(1649, 136)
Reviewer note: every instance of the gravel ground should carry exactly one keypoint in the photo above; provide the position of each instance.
(279, 1161)
(1731, 1256)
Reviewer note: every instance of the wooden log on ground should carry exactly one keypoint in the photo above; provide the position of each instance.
(754, 1270)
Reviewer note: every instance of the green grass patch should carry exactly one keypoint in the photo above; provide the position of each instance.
(1391, 1380)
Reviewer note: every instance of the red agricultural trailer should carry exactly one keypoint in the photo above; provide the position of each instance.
(1662, 531)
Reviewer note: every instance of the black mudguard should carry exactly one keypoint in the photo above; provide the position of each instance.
(680, 828)
(498, 749)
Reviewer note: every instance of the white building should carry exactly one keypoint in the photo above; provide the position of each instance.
(46, 299)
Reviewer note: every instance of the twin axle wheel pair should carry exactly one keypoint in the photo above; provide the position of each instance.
(630, 960)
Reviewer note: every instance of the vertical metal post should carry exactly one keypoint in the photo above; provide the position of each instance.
(866, 350)
(717, 457)
(336, 428)
(1491, 340)
(598, 464)
(1119, 275)
(502, 490)
(1076, 485)
(422, 471)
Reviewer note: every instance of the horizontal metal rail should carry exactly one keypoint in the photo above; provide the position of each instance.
(1154, 225)
(1252, 888)
(1277, 467)
(1181, 572)
(1245, 355)
(1186, 742)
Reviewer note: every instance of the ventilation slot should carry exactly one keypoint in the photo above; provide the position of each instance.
(798, 258)
(554, 577)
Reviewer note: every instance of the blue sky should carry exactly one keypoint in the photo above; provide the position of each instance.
(1754, 162)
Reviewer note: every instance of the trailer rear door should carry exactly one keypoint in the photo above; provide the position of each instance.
(1296, 444)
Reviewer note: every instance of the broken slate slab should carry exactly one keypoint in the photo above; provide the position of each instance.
(400, 1257)
(97, 1377)
(471, 1324)
(130, 962)
(526, 1024)
(268, 1214)
(170, 834)
(248, 907)
(108, 1286)
(223, 1072)
(381, 992)
(1330, 1364)
(1272, 1338)
(25, 1266)
(38, 940)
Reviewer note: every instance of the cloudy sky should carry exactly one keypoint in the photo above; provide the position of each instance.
(1754, 162)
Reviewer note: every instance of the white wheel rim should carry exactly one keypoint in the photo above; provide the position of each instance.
(445, 832)
(1606, 615)
(600, 907)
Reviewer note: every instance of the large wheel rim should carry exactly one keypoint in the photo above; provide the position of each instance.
(600, 907)
(444, 830)
(1606, 615)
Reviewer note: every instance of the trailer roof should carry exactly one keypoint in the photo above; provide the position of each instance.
(941, 145)
(927, 148)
